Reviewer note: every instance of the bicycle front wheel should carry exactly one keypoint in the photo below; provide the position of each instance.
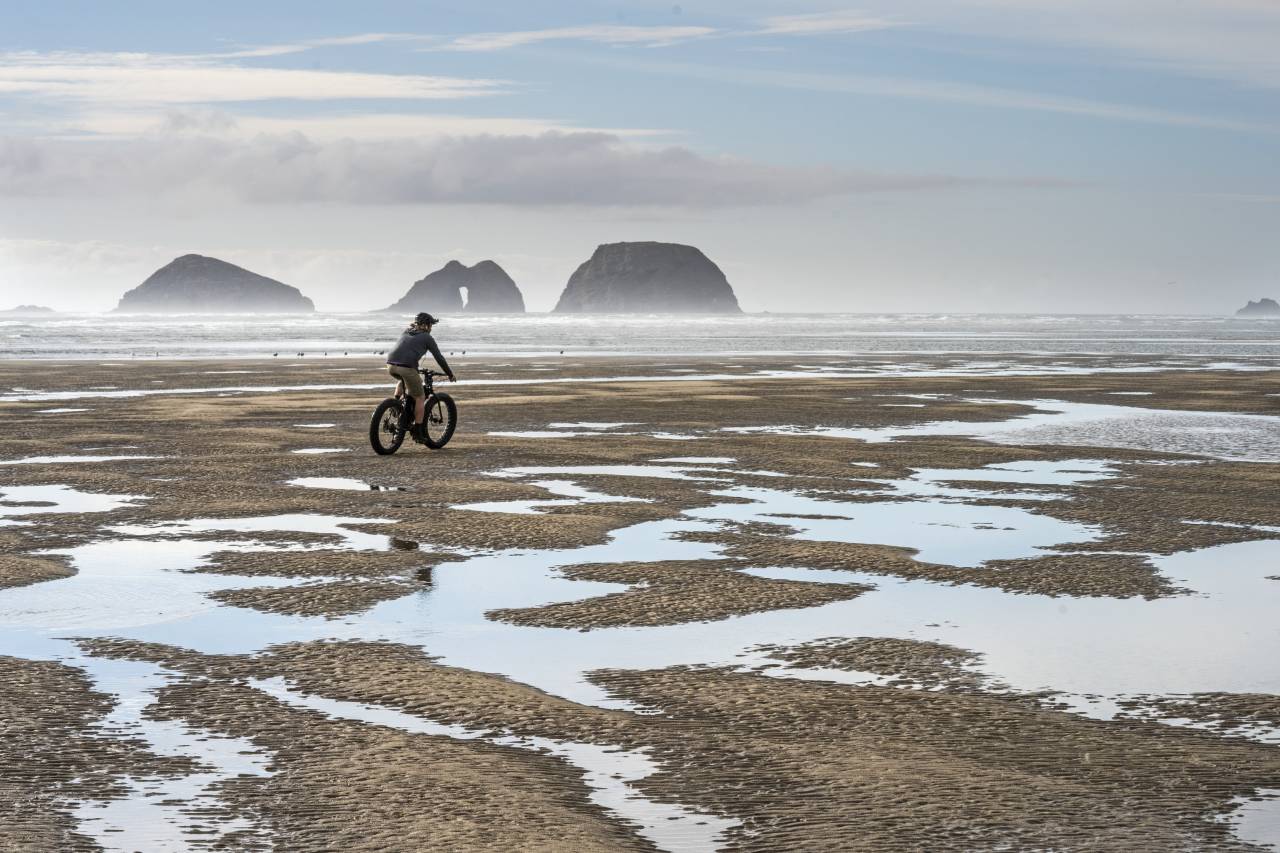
(441, 420)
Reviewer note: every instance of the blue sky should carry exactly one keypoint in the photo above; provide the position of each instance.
(1039, 155)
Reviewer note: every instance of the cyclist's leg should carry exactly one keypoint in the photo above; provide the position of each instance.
(395, 374)
(412, 382)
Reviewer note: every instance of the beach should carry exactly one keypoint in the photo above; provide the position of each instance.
(849, 429)
(691, 601)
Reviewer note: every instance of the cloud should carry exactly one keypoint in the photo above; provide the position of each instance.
(133, 78)
(945, 91)
(823, 23)
(600, 33)
(322, 126)
(588, 169)
(310, 44)
(1223, 39)
(1015, 99)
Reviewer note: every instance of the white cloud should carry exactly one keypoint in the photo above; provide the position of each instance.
(310, 44)
(591, 169)
(130, 78)
(823, 23)
(1225, 39)
(1003, 98)
(944, 91)
(324, 126)
(600, 33)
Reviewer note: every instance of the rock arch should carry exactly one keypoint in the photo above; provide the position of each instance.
(489, 290)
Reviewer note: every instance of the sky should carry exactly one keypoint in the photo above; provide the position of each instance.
(915, 155)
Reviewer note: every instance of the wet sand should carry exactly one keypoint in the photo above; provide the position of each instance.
(728, 512)
(51, 754)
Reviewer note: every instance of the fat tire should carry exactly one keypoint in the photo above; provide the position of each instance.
(451, 412)
(377, 437)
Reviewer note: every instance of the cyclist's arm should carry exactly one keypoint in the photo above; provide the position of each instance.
(435, 353)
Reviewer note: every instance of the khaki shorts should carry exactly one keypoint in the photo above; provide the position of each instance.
(411, 378)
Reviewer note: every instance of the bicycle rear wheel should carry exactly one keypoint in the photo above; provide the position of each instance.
(441, 420)
(385, 432)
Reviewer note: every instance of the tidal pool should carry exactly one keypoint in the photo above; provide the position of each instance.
(138, 583)
(1239, 437)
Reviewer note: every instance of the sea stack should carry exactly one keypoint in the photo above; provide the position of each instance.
(489, 290)
(630, 278)
(28, 311)
(1262, 308)
(195, 284)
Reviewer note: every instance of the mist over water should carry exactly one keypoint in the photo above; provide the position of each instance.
(194, 336)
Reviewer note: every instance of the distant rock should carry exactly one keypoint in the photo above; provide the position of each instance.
(489, 291)
(628, 278)
(27, 311)
(439, 292)
(1261, 308)
(194, 284)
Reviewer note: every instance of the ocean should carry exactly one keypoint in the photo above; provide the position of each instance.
(99, 336)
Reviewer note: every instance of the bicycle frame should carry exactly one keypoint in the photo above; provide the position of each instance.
(410, 402)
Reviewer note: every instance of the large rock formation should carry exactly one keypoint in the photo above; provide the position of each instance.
(28, 311)
(194, 284)
(1262, 308)
(489, 291)
(648, 278)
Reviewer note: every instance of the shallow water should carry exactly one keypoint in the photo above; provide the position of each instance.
(590, 429)
(1094, 652)
(945, 532)
(1257, 822)
(58, 499)
(144, 587)
(59, 460)
(933, 482)
(1219, 639)
(1218, 435)
(1085, 653)
(570, 494)
(596, 425)
(159, 813)
(657, 472)
(346, 484)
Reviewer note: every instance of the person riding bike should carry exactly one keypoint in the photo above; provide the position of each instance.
(402, 364)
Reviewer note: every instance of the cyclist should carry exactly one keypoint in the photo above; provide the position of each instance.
(402, 364)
